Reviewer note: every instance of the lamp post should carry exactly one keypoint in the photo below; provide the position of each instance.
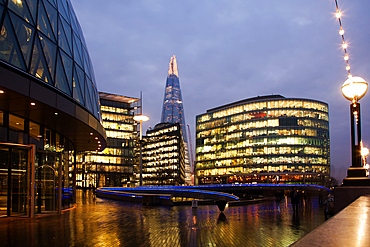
(141, 119)
(353, 89)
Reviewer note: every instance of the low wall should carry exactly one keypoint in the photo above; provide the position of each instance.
(350, 227)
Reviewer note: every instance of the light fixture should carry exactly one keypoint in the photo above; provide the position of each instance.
(341, 31)
(345, 46)
(91, 133)
(1, 91)
(354, 88)
(364, 151)
(96, 138)
(56, 113)
(338, 14)
(33, 103)
(346, 57)
(141, 118)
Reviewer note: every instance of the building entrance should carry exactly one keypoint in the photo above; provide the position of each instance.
(15, 179)
(47, 181)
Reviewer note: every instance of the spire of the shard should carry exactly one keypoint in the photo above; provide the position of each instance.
(172, 68)
(173, 110)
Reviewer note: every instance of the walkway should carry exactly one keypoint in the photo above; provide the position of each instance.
(350, 227)
(104, 222)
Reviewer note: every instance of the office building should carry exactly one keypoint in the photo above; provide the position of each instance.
(173, 109)
(163, 156)
(268, 139)
(49, 106)
(113, 167)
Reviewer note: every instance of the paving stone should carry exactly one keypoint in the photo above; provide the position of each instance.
(103, 222)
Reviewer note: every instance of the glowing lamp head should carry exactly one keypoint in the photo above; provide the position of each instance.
(141, 118)
(364, 151)
(354, 88)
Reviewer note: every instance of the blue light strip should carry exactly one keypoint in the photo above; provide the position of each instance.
(118, 193)
(175, 188)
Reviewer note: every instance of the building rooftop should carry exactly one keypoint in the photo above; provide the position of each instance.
(119, 98)
(258, 98)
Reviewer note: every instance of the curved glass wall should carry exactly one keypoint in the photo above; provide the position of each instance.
(263, 137)
(44, 39)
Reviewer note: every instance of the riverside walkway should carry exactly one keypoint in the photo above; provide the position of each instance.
(350, 227)
(103, 222)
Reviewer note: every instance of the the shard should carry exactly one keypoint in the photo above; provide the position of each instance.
(173, 110)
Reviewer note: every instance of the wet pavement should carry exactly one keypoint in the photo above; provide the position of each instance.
(104, 222)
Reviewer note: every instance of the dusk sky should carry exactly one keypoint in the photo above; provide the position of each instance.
(229, 50)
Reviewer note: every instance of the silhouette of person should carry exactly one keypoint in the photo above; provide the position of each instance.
(294, 199)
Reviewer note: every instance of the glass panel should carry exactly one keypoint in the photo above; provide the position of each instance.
(86, 63)
(35, 135)
(19, 181)
(74, 21)
(16, 123)
(3, 130)
(63, 9)
(61, 79)
(24, 33)
(68, 63)
(16, 130)
(52, 14)
(9, 50)
(77, 50)
(88, 101)
(4, 159)
(43, 23)
(21, 9)
(91, 94)
(46, 177)
(1, 10)
(50, 50)
(49, 140)
(62, 39)
(77, 92)
(53, 2)
(32, 5)
(68, 31)
(38, 66)
(88, 95)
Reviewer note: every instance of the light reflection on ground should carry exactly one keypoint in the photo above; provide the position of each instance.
(103, 222)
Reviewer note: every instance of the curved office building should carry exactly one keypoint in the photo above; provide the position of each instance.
(268, 139)
(49, 105)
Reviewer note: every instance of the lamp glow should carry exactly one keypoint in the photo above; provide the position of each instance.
(344, 46)
(338, 14)
(348, 67)
(354, 88)
(346, 57)
(140, 118)
(364, 151)
(341, 31)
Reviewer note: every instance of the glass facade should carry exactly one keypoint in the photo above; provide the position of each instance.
(173, 109)
(114, 166)
(268, 139)
(54, 167)
(163, 155)
(49, 105)
(44, 39)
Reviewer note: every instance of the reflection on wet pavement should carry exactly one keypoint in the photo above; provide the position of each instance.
(103, 222)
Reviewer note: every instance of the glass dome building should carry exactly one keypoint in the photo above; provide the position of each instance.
(49, 105)
(267, 139)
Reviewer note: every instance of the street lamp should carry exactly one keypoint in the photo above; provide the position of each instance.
(353, 89)
(141, 119)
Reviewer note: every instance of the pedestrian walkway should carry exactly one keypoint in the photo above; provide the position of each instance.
(350, 227)
(104, 222)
